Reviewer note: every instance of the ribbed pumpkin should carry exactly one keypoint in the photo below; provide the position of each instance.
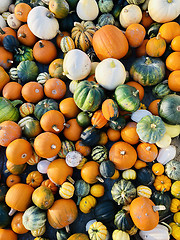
(50, 185)
(97, 230)
(15, 169)
(87, 203)
(78, 236)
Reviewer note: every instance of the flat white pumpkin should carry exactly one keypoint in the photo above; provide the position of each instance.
(2, 22)
(42, 23)
(76, 65)
(160, 232)
(164, 10)
(110, 73)
(4, 5)
(87, 9)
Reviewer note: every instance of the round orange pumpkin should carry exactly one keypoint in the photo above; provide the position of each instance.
(173, 61)
(7, 234)
(4, 78)
(25, 36)
(174, 81)
(17, 225)
(12, 91)
(135, 34)
(139, 87)
(90, 172)
(32, 92)
(21, 11)
(147, 152)
(68, 107)
(153, 107)
(129, 134)
(169, 31)
(73, 132)
(55, 88)
(78, 236)
(175, 44)
(141, 50)
(113, 135)
(156, 46)
(12, 179)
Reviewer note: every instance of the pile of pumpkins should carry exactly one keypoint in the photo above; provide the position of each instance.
(74, 75)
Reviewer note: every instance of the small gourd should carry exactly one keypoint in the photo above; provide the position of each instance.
(13, 22)
(82, 189)
(87, 203)
(87, 9)
(107, 169)
(97, 231)
(97, 190)
(144, 191)
(175, 189)
(129, 174)
(166, 154)
(172, 169)
(42, 166)
(73, 158)
(164, 142)
(66, 190)
(175, 205)
(39, 232)
(119, 234)
(139, 114)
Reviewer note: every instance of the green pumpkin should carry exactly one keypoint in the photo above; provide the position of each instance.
(123, 220)
(153, 30)
(23, 53)
(30, 127)
(43, 77)
(34, 218)
(67, 23)
(61, 234)
(44, 106)
(107, 169)
(136, 2)
(13, 74)
(118, 124)
(105, 211)
(148, 71)
(83, 119)
(172, 170)
(10, 43)
(118, 6)
(169, 109)
(123, 192)
(82, 189)
(161, 90)
(8, 110)
(66, 147)
(145, 176)
(161, 198)
(90, 136)
(99, 154)
(106, 19)
(105, 6)
(150, 129)
(127, 98)
(88, 96)
(5, 219)
(3, 191)
(27, 71)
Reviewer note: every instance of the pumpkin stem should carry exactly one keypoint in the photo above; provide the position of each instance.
(19, 13)
(24, 155)
(80, 26)
(158, 36)
(50, 15)
(10, 61)
(6, 171)
(53, 146)
(159, 208)
(60, 33)
(41, 44)
(12, 211)
(16, 102)
(79, 199)
(67, 228)
(69, 178)
(153, 125)
(170, 1)
(23, 35)
(178, 108)
(112, 64)
(148, 61)
(55, 128)
(100, 179)
(148, 148)
(123, 152)
(135, 93)
(1, 31)
(66, 125)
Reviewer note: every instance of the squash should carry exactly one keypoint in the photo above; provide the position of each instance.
(5, 5)
(144, 191)
(87, 203)
(99, 154)
(105, 211)
(79, 236)
(15, 169)
(172, 170)
(110, 73)
(66, 190)
(90, 172)
(17, 225)
(90, 136)
(163, 11)
(44, 27)
(98, 120)
(147, 152)
(107, 169)
(26, 109)
(161, 90)
(82, 189)
(5, 218)
(129, 174)
(105, 6)
(123, 220)
(43, 197)
(97, 190)
(73, 158)
(175, 189)
(166, 154)
(147, 71)
(175, 230)
(145, 176)
(87, 9)
(42, 166)
(110, 109)
(175, 205)
(106, 19)
(156, 46)
(27, 71)
(139, 114)
(39, 232)
(59, 8)
(118, 234)
(97, 230)
(118, 124)
(61, 234)
(8, 234)
(158, 169)
(66, 147)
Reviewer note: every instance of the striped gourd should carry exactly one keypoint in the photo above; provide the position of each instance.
(144, 191)
(66, 147)
(97, 230)
(129, 174)
(23, 121)
(13, 74)
(66, 190)
(99, 153)
(26, 109)
(67, 44)
(84, 160)
(39, 232)
(34, 159)
(43, 77)
(106, 19)
(82, 34)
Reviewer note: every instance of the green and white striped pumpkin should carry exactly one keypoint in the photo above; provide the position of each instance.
(13, 74)
(67, 44)
(144, 191)
(99, 154)
(43, 77)
(66, 147)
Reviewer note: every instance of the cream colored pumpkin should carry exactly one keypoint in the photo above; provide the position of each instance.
(130, 14)
(42, 23)
(73, 158)
(97, 230)
(164, 10)
(164, 142)
(2, 22)
(73, 85)
(110, 73)
(118, 234)
(76, 65)
(13, 22)
(87, 9)
(4, 5)
(172, 130)
(166, 154)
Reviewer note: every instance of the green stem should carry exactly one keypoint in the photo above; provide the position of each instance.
(112, 64)
(16, 102)
(148, 61)
(1, 31)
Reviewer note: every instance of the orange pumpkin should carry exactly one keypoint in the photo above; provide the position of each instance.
(143, 213)
(78, 236)
(139, 87)
(68, 107)
(12, 91)
(129, 134)
(141, 50)
(173, 61)
(174, 81)
(158, 169)
(55, 173)
(44, 51)
(9, 131)
(21, 11)
(147, 152)
(6, 58)
(73, 132)
(12, 179)
(113, 135)
(17, 225)
(146, 20)
(135, 34)
(43, 197)
(156, 46)
(47, 145)
(51, 185)
(169, 31)
(55, 88)
(153, 107)
(19, 151)
(140, 164)
(56, 68)
(18, 197)
(103, 139)
(25, 36)
(4, 78)
(7, 234)
(83, 149)
(162, 183)
(110, 42)
(62, 213)
(98, 120)
(6, 31)
(175, 44)
(90, 172)
(123, 155)
(32, 92)
(34, 179)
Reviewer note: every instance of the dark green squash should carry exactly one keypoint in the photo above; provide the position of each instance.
(83, 119)
(161, 198)
(147, 71)
(10, 43)
(67, 23)
(161, 90)
(8, 110)
(5, 219)
(82, 189)
(92, 55)
(61, 234)
(118, 6)
(30, 127)
(72, 4)
(145, 176)
(90, 136)
(106, 19)
(3, 191)
(169, 109)
(23, 53)
(127, 98)
(118, 124)
(105, 211)
(107, 169)
(123, 192)
(105, 6)
(153, 29)
(32, 3)
(99, 153)
(123, 220)
(88, 96)
(44, 106)
(172, 170)
(66, 147)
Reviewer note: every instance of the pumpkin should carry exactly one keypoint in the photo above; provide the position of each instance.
(5, 5)
(172, 170)
(55, 173)
(38, 232)
(90, 172)
(73, 132)
(156, 46)
(25, 36)
(123, 155)
(21, 11)
(50, 185)
(15, 169)
(123, 220)
(5, 218)
(55, 88)
(169, 31)
(175, 205)
(34, 179)
(12, 179)
(162, 183)
(175, 189)
(62, 207)
(118, 234)
(97, 190)
(175, 44)
(87, 9)
(16, 192)
(17, 225)
(110, 109)
(146, 20)
(68, 107)
(173, 81)
(82, 189)
(98, 120)
(6, 31)
(83, 149)
(60, 9)
(66, 190)
(144, 191)
(78, 236)
(32, 92)
(147, 71)
(135, 30)
(145, 176)
(129, 134)
(43, 197)
(104, 36)
(4, 78)
(153, 107)
(45, 27)
(97, 230)
(140, 164)
(34, 218)
(12, 91)
(158, 169)
(163, 11)
(113, 134)
(172, 61)
(147, 152)
(6, 58)
(87, 203)
(8, 234)
(129, 174)
(47, 144)
(105, 211)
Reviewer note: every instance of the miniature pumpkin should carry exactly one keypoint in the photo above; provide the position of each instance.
(21, 11)
(68, 107)
(119, 234)
(110, 109)
(98, 120)
(156, 46)
(97, 230)
(50, 185)
(175, 189)
(73, 132)
(34, 179)
(90, 172)
(158, 169)
(172, 61)
(12, 179)
(55, 88)
(87, 203)
(162, 183)
(25, 36)
(43, 197)
(17, 225)
(137, 30)
(8, 234)
(79, 236)
(169, 31)
(83, 149)
(147, 152)
(97, 190)
(129, 134)
(175, 205)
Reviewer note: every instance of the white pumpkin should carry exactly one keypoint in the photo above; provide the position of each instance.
(164, 10)
(164, 142)
(93, 67)
(5, 15)
(76, 65)
(42, 166)
(130, 14)
(73, 158)
(160, 232)
(87, 9)
(42, 23)
(137, 115)
(73, 85)
(2, 22)
(52, 158)
(4, 5)
(110, 73)
(166, 154)
(13, 22)
(172, 130)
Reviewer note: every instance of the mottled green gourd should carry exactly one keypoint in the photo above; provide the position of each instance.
(23, 53)
(107, 169)
(105, 6)
(99, 154)
(123, 220)
(106, 19)
(161, 90)
(82, 189)
(172, 170)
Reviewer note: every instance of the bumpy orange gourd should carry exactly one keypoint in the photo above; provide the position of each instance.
(51, 185)
(34, 179)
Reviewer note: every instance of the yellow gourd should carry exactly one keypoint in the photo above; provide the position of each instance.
(87, 203)
(118, 234)
(175, 205)
(177, 218)
(39, 232)
(97, 190)
(129, 174)
(172, 130)
(97, 231)
(158, 169)
(175, 189)
(66, 190)
(144, 191)
(175, 230)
